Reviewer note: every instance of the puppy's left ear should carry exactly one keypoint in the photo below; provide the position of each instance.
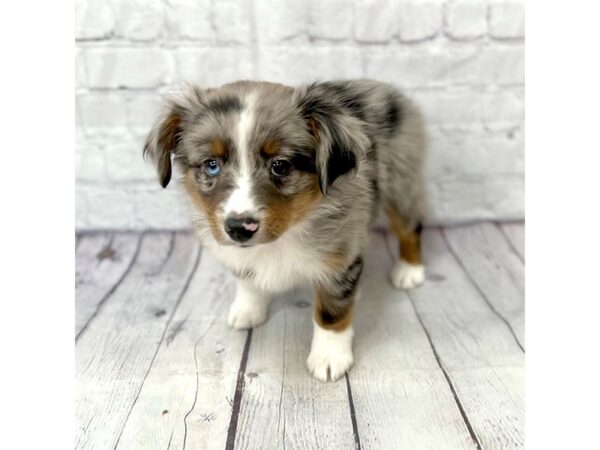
(340, 138)
(164, 137)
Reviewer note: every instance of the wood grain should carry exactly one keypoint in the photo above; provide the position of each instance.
(475, 347)
(401, 397)
(283, 406)
(116, 352)
(157, 366)
(495, 270)
(186, 399)
(515, 233)
(101, 262)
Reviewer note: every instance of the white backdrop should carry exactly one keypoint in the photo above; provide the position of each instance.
(462, 61)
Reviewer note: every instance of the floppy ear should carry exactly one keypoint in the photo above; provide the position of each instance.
(340, 139)
(164, 137)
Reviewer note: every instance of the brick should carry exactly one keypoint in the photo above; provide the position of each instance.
(93, 20)
(232, 23)
(280, 20)
(467, 109)
(456, 153)
(139, 20)
(419, 19)
(214, 66)
(466, 19)
(102, 114)
(330, 20)
(109, 207)
(293, 65)
(161, 208)
(89, 163)
(133, 68)
(507, 19)
(142, 111)
(375, 20)
(80, 74)
(424, 68)
(190, 19)
(81, 209)
(502, 65)
(502, 110)
(124, 162)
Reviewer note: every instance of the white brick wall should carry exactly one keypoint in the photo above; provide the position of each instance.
(462, 60)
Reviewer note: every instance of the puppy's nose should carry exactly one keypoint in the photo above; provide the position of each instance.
(241, 229)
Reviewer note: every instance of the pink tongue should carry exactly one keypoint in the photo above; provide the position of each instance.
(250, 226)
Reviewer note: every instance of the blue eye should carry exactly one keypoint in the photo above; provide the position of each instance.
(212, 168)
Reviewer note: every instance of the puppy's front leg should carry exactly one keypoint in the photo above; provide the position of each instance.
(331, 351)
(249, 309)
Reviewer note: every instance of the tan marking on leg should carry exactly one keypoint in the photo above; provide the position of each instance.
(410, 241)
(332, 316)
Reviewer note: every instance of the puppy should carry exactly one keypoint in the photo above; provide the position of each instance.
(284, 183)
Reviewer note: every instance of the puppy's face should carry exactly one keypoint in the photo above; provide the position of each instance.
(251, 158)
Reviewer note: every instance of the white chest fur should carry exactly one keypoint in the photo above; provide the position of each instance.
(277, 266)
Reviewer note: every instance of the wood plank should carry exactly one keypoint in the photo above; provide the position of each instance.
(476, 349)
(116, 351)
(187, 396)
(515, 233)
(281, 399)
(495, 269)
(101, 262)
(401, 397)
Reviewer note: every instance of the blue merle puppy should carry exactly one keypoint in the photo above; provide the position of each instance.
(284, 183)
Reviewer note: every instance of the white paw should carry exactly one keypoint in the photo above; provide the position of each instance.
(249, 308)
(243, 315)
(331, 354)
(407, 276)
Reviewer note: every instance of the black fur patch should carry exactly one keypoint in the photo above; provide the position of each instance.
(349, 279)
(419, 228)
(304, 163)
(341, 161)
(393, 116)
(225, 105)
(353, 102)
(323, 111)
(328, 318)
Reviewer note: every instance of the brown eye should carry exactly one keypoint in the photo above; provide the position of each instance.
(281, 167)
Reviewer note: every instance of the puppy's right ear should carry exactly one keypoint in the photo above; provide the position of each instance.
(164, 137)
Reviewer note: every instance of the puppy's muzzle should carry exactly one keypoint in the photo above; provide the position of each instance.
(241, 229)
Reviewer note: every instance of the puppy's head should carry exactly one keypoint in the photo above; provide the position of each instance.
(256, 158)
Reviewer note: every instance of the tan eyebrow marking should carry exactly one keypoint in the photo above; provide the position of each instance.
(270, 148)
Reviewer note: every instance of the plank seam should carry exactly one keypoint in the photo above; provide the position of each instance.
(357, 445)
(239, 390)
(177, 303)
(480, 291)
(113, 289)
(446, 376)
(385, 237)
(511, 244)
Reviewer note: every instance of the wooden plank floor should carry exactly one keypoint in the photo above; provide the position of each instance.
(440, 367)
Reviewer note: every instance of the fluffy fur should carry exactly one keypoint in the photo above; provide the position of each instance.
(284, 183)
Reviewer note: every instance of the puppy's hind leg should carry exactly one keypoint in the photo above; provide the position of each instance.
(409, 271)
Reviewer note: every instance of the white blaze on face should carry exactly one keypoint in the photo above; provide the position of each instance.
(240, 201)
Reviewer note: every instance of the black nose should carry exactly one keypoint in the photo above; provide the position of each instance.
(241, 229)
